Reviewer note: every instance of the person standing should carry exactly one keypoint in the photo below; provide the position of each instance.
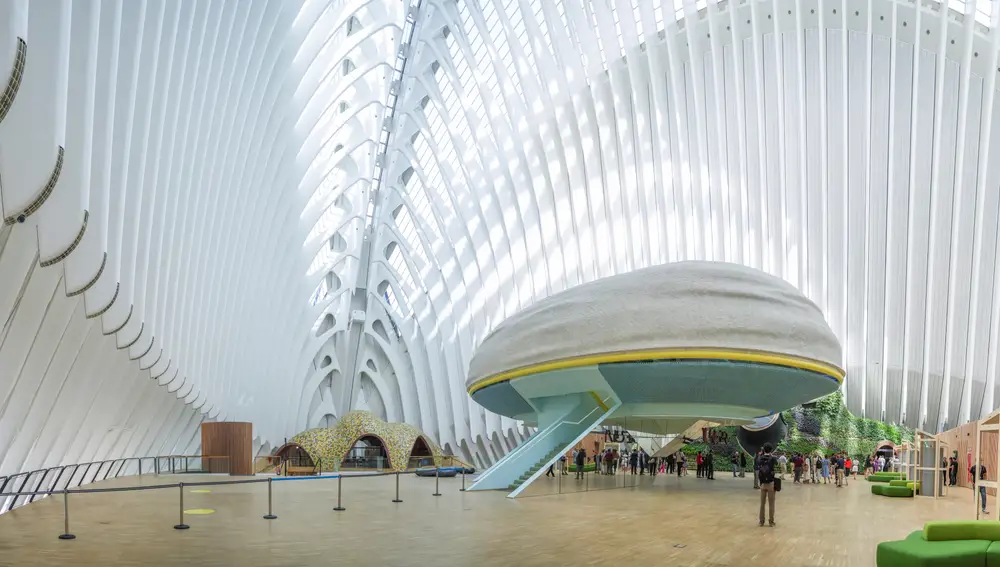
(710, 466)
(848, 463)
(782, 466)
(581, 460)
(797, 468)
(765, 465)
(562, 465)
(756, 461)
(549, 472)
(670, 463)
(840, 470)
(953, 471)
(643, 460)
(826, 469)
(597, 462)
(633, 461)
(743, 464)
(699, 461)
(735, 461)
(980, 474)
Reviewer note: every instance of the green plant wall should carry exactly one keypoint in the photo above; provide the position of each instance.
(824, 426)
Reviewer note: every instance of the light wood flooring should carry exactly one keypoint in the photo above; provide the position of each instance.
(660, 521)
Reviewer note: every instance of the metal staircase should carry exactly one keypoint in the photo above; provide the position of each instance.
(570, 418)
(534, 468)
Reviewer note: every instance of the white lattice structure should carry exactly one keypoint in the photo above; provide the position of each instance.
(279, 211)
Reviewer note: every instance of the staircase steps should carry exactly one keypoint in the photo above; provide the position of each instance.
(534, 468)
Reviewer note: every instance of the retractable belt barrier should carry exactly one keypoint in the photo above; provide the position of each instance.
(66, 535)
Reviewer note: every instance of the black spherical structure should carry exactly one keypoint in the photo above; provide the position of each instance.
(770, 429)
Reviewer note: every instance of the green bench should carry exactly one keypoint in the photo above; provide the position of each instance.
(892, 491)
(944, 544)
(886, 477)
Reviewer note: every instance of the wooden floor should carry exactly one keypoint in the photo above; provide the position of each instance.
(661, 521)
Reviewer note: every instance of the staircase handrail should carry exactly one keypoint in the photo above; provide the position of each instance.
(559, 424)
(533, 440)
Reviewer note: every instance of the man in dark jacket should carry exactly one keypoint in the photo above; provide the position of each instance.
(633, 461)
(710, 466)
(581, 459)
(765, 465)
(743, 464)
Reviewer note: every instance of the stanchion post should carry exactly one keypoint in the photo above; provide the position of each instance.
(66, 534)
(181, 525)
(140, 467)
(463, 479)
(396, 499)
(586, 482)
(559, 476)
(270, 515)
(340, 507)
(437, 481)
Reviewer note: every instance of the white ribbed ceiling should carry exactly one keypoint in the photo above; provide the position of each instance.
(282, 210)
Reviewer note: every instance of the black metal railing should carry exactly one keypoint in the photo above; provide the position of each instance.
(121, 463)
(22, 488)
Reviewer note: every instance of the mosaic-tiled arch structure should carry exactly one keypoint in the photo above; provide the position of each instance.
(332, 444)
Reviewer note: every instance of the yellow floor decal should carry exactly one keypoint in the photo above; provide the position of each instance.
(200, 511)
(201, 491)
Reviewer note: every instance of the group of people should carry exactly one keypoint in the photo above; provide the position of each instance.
(878, 463)
(609, 461)
(833, 469)
(579, 461)
(769, 469)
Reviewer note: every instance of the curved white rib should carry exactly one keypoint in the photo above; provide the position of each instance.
(248, 252)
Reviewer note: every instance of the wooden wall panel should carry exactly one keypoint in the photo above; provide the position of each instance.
(963, 440)
(233, 439)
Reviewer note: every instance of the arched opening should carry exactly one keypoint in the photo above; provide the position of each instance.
(325, 324)
(886, 451)
(368, 452)
(420, 454)
(293, 460)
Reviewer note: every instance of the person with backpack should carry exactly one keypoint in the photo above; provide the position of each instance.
(580, 461)
(766, 464)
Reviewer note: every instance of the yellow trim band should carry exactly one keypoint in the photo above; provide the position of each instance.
(599, 401)
(759, 357)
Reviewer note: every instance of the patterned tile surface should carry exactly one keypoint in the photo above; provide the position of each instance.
(332, 444)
